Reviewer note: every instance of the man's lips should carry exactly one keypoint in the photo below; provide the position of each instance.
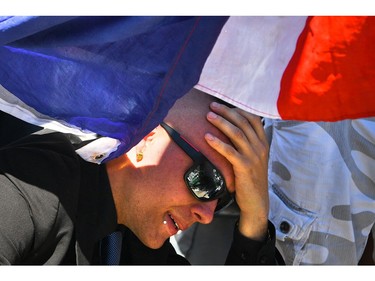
(172, 224)
(174, 221)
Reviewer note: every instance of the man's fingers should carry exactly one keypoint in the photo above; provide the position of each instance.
(240, 126)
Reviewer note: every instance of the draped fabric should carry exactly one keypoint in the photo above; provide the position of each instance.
(316, 68)
(113, 76)
(331, 75)
(118, 76)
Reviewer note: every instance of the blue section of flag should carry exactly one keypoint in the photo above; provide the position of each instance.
(116, 76)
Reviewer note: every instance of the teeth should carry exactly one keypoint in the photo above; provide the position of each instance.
(175, 223)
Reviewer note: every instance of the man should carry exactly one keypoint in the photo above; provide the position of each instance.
(59, 209)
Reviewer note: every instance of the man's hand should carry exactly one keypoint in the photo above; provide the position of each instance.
(249, 158)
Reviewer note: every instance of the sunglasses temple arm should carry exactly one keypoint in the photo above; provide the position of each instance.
(183, 144)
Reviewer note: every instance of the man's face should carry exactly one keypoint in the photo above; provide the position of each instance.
(161, 204)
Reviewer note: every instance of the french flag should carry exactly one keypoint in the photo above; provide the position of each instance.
(316, 68)
(117, 77)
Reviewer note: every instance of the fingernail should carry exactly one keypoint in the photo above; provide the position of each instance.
(209, 137)
(215, 104)
(211, 115)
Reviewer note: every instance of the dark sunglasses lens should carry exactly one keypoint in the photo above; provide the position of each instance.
(205, 181)
(224, 202)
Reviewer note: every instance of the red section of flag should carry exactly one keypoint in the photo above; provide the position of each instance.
(331, 75)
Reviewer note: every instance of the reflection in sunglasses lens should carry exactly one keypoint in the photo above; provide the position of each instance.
(205, 181)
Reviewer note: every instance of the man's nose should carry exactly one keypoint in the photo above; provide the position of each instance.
(204, 211)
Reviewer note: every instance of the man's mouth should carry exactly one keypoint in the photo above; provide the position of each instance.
(175, 223)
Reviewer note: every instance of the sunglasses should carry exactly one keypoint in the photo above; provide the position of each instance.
(203, 179)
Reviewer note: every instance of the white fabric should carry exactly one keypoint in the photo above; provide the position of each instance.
(98, 150)
(248, 60)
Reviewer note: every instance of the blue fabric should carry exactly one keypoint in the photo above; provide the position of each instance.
(116, 76)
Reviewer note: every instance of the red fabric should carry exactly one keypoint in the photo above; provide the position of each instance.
(331, 75)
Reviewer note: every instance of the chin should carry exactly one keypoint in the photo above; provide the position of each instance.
(154, 244)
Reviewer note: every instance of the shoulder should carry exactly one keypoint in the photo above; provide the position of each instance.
(37, 151)
(47, 162)
(40, 176)
(45, 171)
